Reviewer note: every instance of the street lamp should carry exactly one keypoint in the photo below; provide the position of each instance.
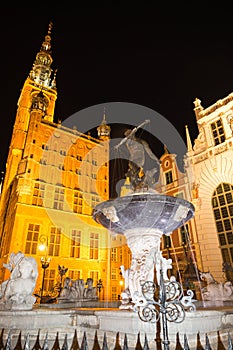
(44, 264)
(45, 261)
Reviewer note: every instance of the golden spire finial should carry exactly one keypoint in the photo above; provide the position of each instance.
(50, 27)
(104, 116)
(46, 45)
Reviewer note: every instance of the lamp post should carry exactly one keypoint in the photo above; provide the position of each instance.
(45, 261)
(44, 264)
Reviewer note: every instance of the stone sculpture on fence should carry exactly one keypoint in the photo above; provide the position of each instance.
(16, 292)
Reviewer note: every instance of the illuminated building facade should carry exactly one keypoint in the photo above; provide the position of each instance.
(209, 170)
(54, 177)
(207, 182)
(205, 243)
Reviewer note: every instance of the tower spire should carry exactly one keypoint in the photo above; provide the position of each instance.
(104, 129)
(189, 143)
(41, 70)
(104, 117)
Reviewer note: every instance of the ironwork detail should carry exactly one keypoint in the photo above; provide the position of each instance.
(7, 342)
(170, 302)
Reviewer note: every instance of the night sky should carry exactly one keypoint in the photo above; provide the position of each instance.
(159, 58)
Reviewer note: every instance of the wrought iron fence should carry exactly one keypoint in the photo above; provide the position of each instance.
(59, 343)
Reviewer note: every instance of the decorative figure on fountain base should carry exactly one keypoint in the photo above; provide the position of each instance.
(141, 272)
(75, 291)
(16, 292)
(214, 290)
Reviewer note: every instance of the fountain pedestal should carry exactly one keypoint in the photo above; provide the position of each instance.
(144, 244)
(143, 218)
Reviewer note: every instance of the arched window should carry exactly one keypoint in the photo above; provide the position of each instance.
(222, 203)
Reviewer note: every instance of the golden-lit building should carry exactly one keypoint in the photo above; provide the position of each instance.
(54, 177)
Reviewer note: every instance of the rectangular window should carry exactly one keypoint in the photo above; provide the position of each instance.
(230, 208)
(229, 198)
(38, 194)
(94, 245)
(95, 276)
(229, 237)
(225, 255)
(74, 274)
(55, 241)
(231, 253)
(227, 224)
(168, 177)
(77, 202)
(224, 212)
(94, 201)
(49, 280)
(75, 244)
(166, 241)
(114, 296)
(114, 254)
(218, 132)
(217, 214)
(114, 273)
(222, 200)
(222, 239)
(120, 256)
(32, 238)
(214, 202)
(184, 234)
(58, 198)
(219, 226)
(114, 293)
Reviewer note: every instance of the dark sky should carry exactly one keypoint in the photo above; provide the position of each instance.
(159, 58)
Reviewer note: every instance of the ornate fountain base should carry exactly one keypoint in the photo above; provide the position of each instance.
(143, 218)
(144, 244)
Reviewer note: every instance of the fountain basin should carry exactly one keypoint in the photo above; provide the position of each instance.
(143, 210)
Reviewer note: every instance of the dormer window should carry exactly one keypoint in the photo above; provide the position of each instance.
(168, 177)
(218, 132)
